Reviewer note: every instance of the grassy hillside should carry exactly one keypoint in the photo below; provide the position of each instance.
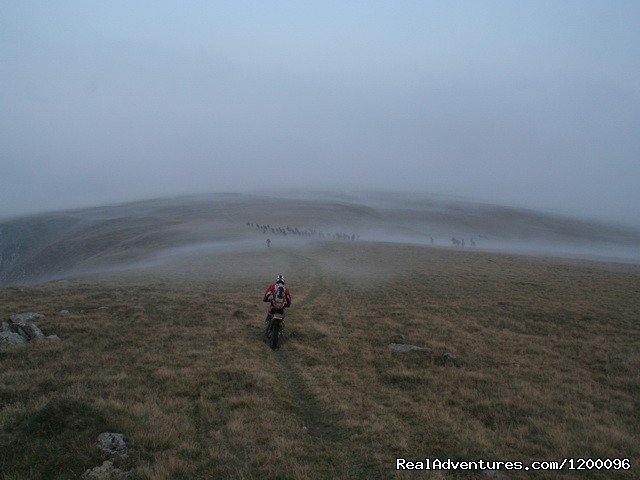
(548, 362)
(68, 244)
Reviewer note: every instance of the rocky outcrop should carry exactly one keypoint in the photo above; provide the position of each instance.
(9, 339)
(21, 329)
(29, 330)
(112, 443)
(22, 323)
(106, 471)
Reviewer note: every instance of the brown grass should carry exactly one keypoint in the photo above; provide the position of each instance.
(548, 368)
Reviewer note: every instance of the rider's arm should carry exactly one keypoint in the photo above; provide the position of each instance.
(267, 295)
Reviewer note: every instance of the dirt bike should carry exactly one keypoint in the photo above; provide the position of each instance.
(274, 329)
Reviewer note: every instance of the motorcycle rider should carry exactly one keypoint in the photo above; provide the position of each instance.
(279, 297)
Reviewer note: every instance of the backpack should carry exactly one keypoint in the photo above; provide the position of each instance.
(279, 299)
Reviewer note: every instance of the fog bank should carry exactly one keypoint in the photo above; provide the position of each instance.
(227, 234)
(523, 104)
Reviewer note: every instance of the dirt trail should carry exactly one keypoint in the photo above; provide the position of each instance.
(329, 437)
(309, 408)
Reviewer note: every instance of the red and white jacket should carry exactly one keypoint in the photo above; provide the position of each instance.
(270, 292)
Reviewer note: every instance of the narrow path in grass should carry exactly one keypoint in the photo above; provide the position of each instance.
(308, 407)
(330, 439)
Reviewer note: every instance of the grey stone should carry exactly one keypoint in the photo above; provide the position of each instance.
(22, 323)
(54, 338)
(8, 339)
(105, 471)
(404, 347)
(21, 332)
(25, 317)
(102, 308)
(29, 330)
(65, 312)
(112, 443)
(19, 326)
(9, 327)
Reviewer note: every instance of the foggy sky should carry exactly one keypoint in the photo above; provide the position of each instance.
(521, 103)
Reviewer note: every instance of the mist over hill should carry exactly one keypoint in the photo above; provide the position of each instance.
(162, 233)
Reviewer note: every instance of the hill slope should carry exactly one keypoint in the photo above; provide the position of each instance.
(548, 355)
(162, 232)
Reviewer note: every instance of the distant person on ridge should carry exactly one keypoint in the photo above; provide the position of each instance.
(268, 243)
(279, 297)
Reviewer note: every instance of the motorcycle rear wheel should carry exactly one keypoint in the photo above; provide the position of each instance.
(275, 334)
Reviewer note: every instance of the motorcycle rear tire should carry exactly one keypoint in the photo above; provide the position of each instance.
(275, 334)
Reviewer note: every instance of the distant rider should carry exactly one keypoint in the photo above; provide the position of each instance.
(279, 297)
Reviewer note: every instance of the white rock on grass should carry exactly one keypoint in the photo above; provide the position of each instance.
(112, 443)
(404, 347)
(105, 471)
(64, 312)
(53, 338)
